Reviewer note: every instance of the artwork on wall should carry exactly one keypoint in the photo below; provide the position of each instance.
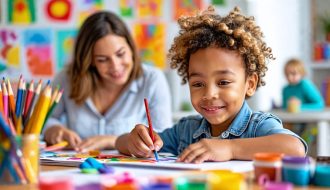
(126, 8)
(21, 11)
(65, 40)
(149, 8)
(9, 51)
(186, 7)
(38, 52)
(88, 7)
(58, 10)
(150, 39)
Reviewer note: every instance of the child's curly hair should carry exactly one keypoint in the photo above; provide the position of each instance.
(234, 32)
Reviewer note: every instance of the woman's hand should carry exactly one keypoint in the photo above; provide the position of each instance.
(97, 143)
(207, 150)
(58, 134)
(139, 142)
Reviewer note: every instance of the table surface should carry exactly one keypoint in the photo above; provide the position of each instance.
(251, 186)
(302, 117)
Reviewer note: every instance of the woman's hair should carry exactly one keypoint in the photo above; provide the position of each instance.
(297, 64)
(234, 32)
(83, 77)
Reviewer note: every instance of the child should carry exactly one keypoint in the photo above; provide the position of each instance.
(223, 60)
(299, 88)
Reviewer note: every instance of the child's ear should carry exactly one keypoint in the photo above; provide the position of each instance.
(251, 82)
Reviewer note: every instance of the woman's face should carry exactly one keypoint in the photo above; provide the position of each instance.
(113, 59)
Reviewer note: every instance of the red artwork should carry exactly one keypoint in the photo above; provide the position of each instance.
(59, 9)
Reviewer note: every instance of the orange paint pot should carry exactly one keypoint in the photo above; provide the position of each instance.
(269, 164)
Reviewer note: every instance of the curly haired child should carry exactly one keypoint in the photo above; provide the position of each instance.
(223, 59)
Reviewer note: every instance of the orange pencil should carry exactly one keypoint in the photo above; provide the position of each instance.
(11, 99)
(5, 99)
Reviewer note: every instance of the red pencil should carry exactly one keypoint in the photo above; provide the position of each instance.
(150, 126)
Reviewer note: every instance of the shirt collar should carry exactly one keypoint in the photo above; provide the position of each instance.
(236, 128)
(241, 121)
(204, 128)
(134, 86)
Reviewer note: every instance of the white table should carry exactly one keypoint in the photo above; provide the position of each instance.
(321, 118)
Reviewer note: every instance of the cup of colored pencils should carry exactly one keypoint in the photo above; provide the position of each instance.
(22, 117)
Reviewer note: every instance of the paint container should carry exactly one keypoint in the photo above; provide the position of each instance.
(322, 172)
(296, 170)
(158, 183)
(119, 182)
(54, 183)
(278, 186)
(158, 186)
(191, 182)
(268, 164)
(89, 186)
(264, 181)
(225, 179)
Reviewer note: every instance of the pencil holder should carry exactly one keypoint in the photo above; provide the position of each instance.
(19, 157)
(30, 155)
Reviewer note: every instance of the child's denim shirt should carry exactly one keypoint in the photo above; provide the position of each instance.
(247, 124)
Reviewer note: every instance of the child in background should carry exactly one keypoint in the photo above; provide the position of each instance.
(224, 61)
(300, 90)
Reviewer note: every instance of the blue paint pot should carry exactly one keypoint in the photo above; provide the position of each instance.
(158, 186)
(322, 175)
(296, 170)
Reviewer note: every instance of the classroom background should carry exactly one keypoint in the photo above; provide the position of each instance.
(37, 37)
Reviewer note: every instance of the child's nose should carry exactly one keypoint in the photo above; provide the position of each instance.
(211, 92)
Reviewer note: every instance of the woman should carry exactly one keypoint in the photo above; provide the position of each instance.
(104, 88)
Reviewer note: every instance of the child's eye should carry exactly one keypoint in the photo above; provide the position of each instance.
(223, 82)
(197, 84)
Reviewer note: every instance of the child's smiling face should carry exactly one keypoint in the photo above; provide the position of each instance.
(218, 84)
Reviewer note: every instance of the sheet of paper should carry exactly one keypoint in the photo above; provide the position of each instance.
(166, 161)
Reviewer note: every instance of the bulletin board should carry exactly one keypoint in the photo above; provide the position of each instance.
(37, 36)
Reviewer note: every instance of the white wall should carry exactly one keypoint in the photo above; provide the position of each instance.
(280, 22)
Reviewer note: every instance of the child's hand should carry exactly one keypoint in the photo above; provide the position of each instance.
(207, 150)
(97, 143)
(140, 143)
(58, 134)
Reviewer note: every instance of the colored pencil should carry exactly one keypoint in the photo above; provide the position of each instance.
(29, 98)
(52, 107)
(1, 101)
(11, 99)
(33, 105)
(58, 146)
(5, 99)
(150, 126)
(40, 112)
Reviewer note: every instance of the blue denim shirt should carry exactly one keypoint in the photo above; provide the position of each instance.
(247, 124)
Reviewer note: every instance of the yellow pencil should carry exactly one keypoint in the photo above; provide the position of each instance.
(42, 109)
